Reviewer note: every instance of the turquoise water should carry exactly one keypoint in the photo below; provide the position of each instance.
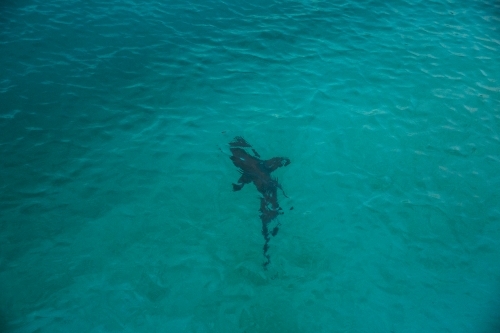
(116, 206)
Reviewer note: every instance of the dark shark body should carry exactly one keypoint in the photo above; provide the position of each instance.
(257, 171)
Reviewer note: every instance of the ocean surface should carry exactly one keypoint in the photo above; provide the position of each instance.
(116, 206)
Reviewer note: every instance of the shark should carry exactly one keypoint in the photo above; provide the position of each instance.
(257, 171)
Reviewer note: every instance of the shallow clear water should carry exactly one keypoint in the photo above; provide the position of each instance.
(116, 207)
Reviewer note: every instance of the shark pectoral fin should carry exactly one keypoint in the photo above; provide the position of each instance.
(276, 162)
(237, 187)
(245, 179)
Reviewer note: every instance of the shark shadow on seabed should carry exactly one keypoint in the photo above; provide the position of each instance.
(257, 171)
